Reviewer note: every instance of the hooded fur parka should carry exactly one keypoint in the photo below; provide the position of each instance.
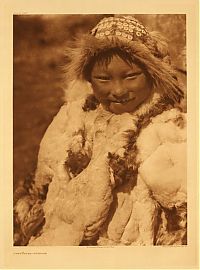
(112, 179)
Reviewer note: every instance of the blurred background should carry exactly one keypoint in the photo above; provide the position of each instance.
(39, 43)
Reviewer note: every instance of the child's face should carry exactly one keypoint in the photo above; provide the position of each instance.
(119, 86)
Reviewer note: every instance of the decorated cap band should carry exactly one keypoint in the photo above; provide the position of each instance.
(126, 27)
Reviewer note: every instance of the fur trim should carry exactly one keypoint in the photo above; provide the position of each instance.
(77, 90)
(162, 74)
(158, 44)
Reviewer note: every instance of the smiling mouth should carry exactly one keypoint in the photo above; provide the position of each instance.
(122, 101)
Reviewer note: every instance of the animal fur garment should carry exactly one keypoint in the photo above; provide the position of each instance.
(112, 179)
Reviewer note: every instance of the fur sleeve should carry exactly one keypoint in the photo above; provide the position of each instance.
(163, 158)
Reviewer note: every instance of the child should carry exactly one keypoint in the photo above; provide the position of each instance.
(112, 164)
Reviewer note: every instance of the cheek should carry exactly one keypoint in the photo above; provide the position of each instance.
(100, 90)
(141, 87)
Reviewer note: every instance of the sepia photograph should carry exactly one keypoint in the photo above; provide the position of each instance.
(100, 125)
(99, 108)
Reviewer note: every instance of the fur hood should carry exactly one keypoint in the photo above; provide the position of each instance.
(152, 55)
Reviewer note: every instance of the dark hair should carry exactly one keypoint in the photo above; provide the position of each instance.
(104, 57)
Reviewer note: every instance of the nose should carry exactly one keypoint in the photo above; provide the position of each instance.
(118, 90)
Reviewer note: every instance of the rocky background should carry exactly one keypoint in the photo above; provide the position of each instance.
(39, 43)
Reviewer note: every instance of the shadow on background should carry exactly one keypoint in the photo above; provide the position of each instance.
(39, 44)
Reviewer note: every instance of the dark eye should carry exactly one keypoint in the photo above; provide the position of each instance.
(102, 78)
(132, 75)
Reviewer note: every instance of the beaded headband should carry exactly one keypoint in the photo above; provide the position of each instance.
(126, 27)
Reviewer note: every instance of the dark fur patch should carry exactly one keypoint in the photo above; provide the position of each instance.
(76, 162)
(91, 103)
(123, 171)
